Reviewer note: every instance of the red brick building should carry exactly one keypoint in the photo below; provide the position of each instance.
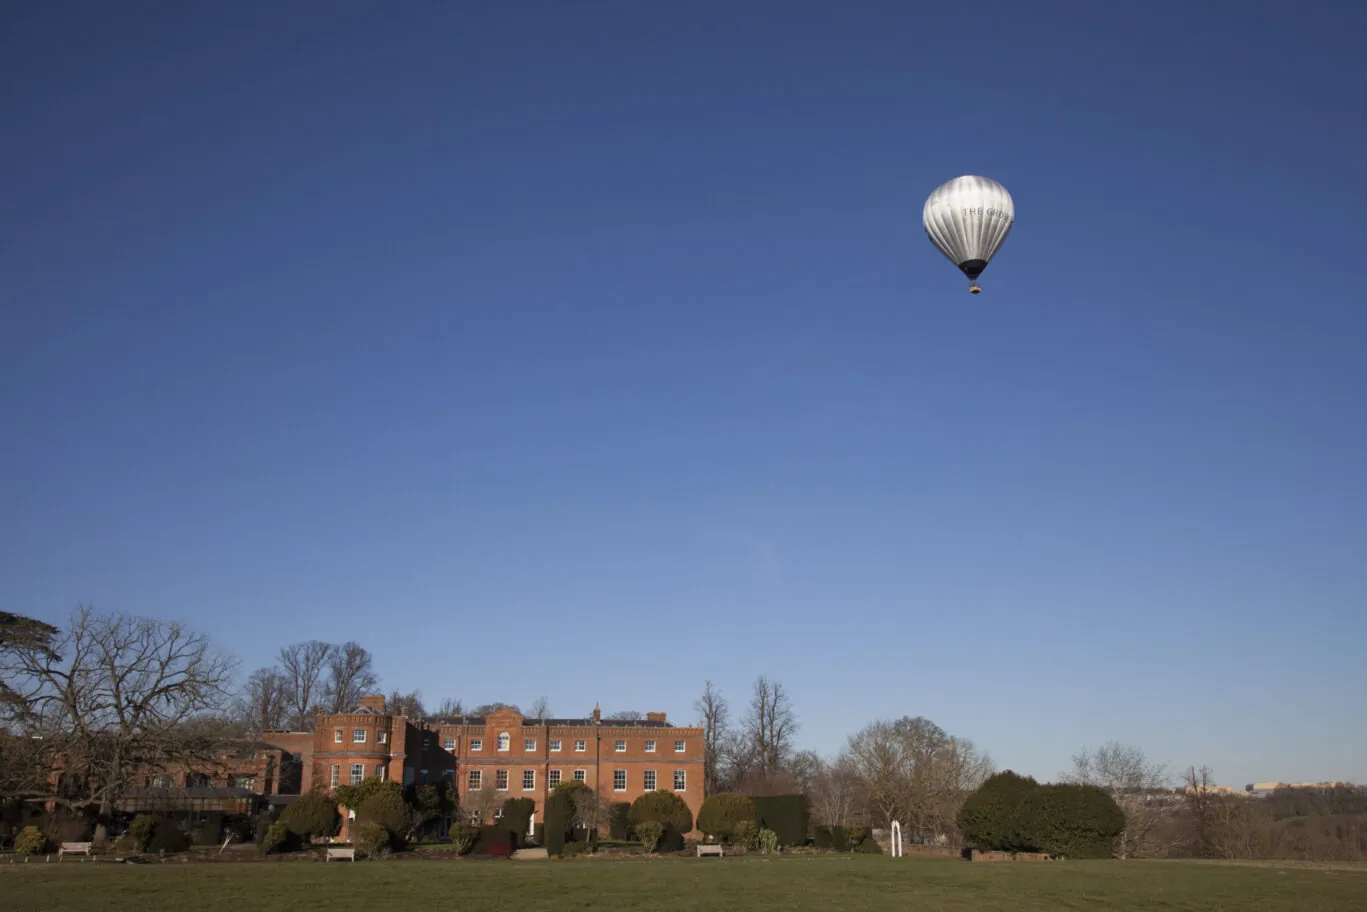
(518, 757)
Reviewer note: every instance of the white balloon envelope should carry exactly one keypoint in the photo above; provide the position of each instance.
(967, 219)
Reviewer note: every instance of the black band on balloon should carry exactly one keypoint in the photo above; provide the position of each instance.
(973, 268)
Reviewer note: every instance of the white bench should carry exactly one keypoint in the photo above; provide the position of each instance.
(711, 850)
(73, 848)
(349, 854)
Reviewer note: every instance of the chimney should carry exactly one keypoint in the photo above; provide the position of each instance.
(374, 702)
(655, 717)
(597, 714)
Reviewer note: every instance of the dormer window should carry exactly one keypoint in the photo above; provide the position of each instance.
(505, 741)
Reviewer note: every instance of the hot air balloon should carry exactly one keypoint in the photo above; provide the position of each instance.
(967, 219)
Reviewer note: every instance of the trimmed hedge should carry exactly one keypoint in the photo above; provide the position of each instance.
(663, 807)
(786, 815)
(991, 817)
(619, 821)
(559, 816)
(720, 813)
(314, 814)
(1075, 821)
(496, 842)
(517, 816)
(386, 808)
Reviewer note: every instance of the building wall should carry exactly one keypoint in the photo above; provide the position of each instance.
(379, 752)
(299, 747)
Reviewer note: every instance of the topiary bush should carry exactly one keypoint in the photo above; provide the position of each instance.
(209, 831)
(279, 838)
(386, 809)
(30, 841)
(140, 831)
(786, 815)
(314, 814)
(720, 814)
(1074, 821)
(371, 839)
(868, 846)
(495, 842)
(665, 807)
(559, 817)
(517, 816)
(990, 818)
(168, 837)
(619, 821)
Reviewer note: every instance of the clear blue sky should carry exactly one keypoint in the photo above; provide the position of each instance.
(597, 349)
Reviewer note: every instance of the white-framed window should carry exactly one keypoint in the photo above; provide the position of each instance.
(648, 780)
(449, 744)
(357, 773)
(498, 813)
(619, 780)
(680, 780)
(449, 776)
(358, 735)
(620, 747)
(242, 781)
(501, 780)
(336, 779)
(579, 746)
(473, 780)
(381, 737)
(555, 745)
(476, 744)
(162, 781)
(337, 736)
(650, 747)
(505, 741)
(678, 747)
(529, 780)
(580, 775)
(552, 779)
(381, 772)
(529, 744)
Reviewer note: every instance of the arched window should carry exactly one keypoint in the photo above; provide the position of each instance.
(504, 741)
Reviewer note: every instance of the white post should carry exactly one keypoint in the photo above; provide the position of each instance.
(896, 839)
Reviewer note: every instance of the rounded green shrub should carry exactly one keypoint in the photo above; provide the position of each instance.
(140, 832)
(990, 818)
(279, 838)
(314, 814)
(386, 809)
(649, 833)
(30, 841)
(768, 842)
(664, 807)
(721, 813)
(370, 839)
(1073, 821)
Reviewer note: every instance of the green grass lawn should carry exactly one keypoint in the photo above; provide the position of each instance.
(824, 883)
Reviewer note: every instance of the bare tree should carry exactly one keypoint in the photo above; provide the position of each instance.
(351, 675)
(716, 722)
(482, 802)
(117, 696)
(1126, 773)
(406, 704)
(624, 715)
(485, 709)
(541, 709)
(263, 703)
(912, 771)
(837, 795)
(771, 724)
(592, 811)
(303, 665)
(450, 706)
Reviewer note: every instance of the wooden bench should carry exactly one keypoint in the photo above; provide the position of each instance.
(349, 854)
(711, 850)
(73, 848)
